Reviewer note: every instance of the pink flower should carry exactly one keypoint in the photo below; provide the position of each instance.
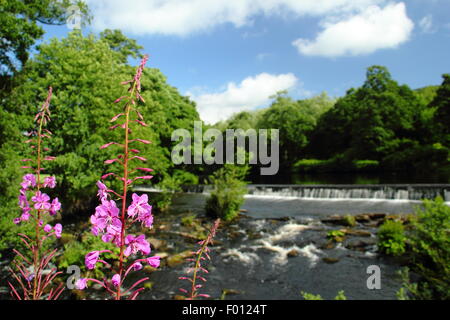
(58, 230)
(91, 259)
(135, 244)
(113, 232)
(116, 280)
(107, 217)
(138, 205)
(29, 180)
(17, 220)
(137, 266)
(49, 182)
(81, 284)
(102, 191)
(105, 214)
(154, 261)
(55, 206)
(142, 209)
(23, 202)
(48, 228)
(41, 201)
(25, 214)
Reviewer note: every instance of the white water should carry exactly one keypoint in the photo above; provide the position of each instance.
(397, 192)
(271, 242)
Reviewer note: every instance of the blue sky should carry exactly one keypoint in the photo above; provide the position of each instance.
(230, 56)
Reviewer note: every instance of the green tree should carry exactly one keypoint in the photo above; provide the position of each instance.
(370, 122)
(243, 120)
(121, 44)
(20, 21)
(294, 123)
(85, 73)
(442, 116)
(426, 94)
(317, 105)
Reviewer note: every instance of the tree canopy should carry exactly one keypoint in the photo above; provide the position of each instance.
(369, 122)
(21, 27)
(85, 73)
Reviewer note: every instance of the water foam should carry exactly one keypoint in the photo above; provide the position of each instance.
(311, 252)
(247, 258)
(287, 232)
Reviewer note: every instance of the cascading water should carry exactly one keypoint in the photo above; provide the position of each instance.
(267, 201)
(386, 192)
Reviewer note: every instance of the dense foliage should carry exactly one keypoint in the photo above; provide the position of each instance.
(21, 27)
(430, 245)
(424, 245)
(391, 238)
(228, 192)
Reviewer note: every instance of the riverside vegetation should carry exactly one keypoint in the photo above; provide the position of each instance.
(423, 242)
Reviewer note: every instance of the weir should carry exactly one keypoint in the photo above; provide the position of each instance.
(337, 191)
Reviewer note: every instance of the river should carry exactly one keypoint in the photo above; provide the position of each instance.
(279, 248)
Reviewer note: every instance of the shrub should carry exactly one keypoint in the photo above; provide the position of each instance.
(430, 246)
(391, 238)
(411, 290)
(228, 192)
(336, 235)
(350, 220)
(188, 220)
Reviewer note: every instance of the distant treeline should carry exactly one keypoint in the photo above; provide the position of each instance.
(380, 126)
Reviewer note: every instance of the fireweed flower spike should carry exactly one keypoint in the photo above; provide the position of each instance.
(111, 220)
(192, 293)
(36, 207)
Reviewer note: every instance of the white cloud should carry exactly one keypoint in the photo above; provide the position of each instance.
(182, 17)
(426, 24)
(252, 92)
(371, 29)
